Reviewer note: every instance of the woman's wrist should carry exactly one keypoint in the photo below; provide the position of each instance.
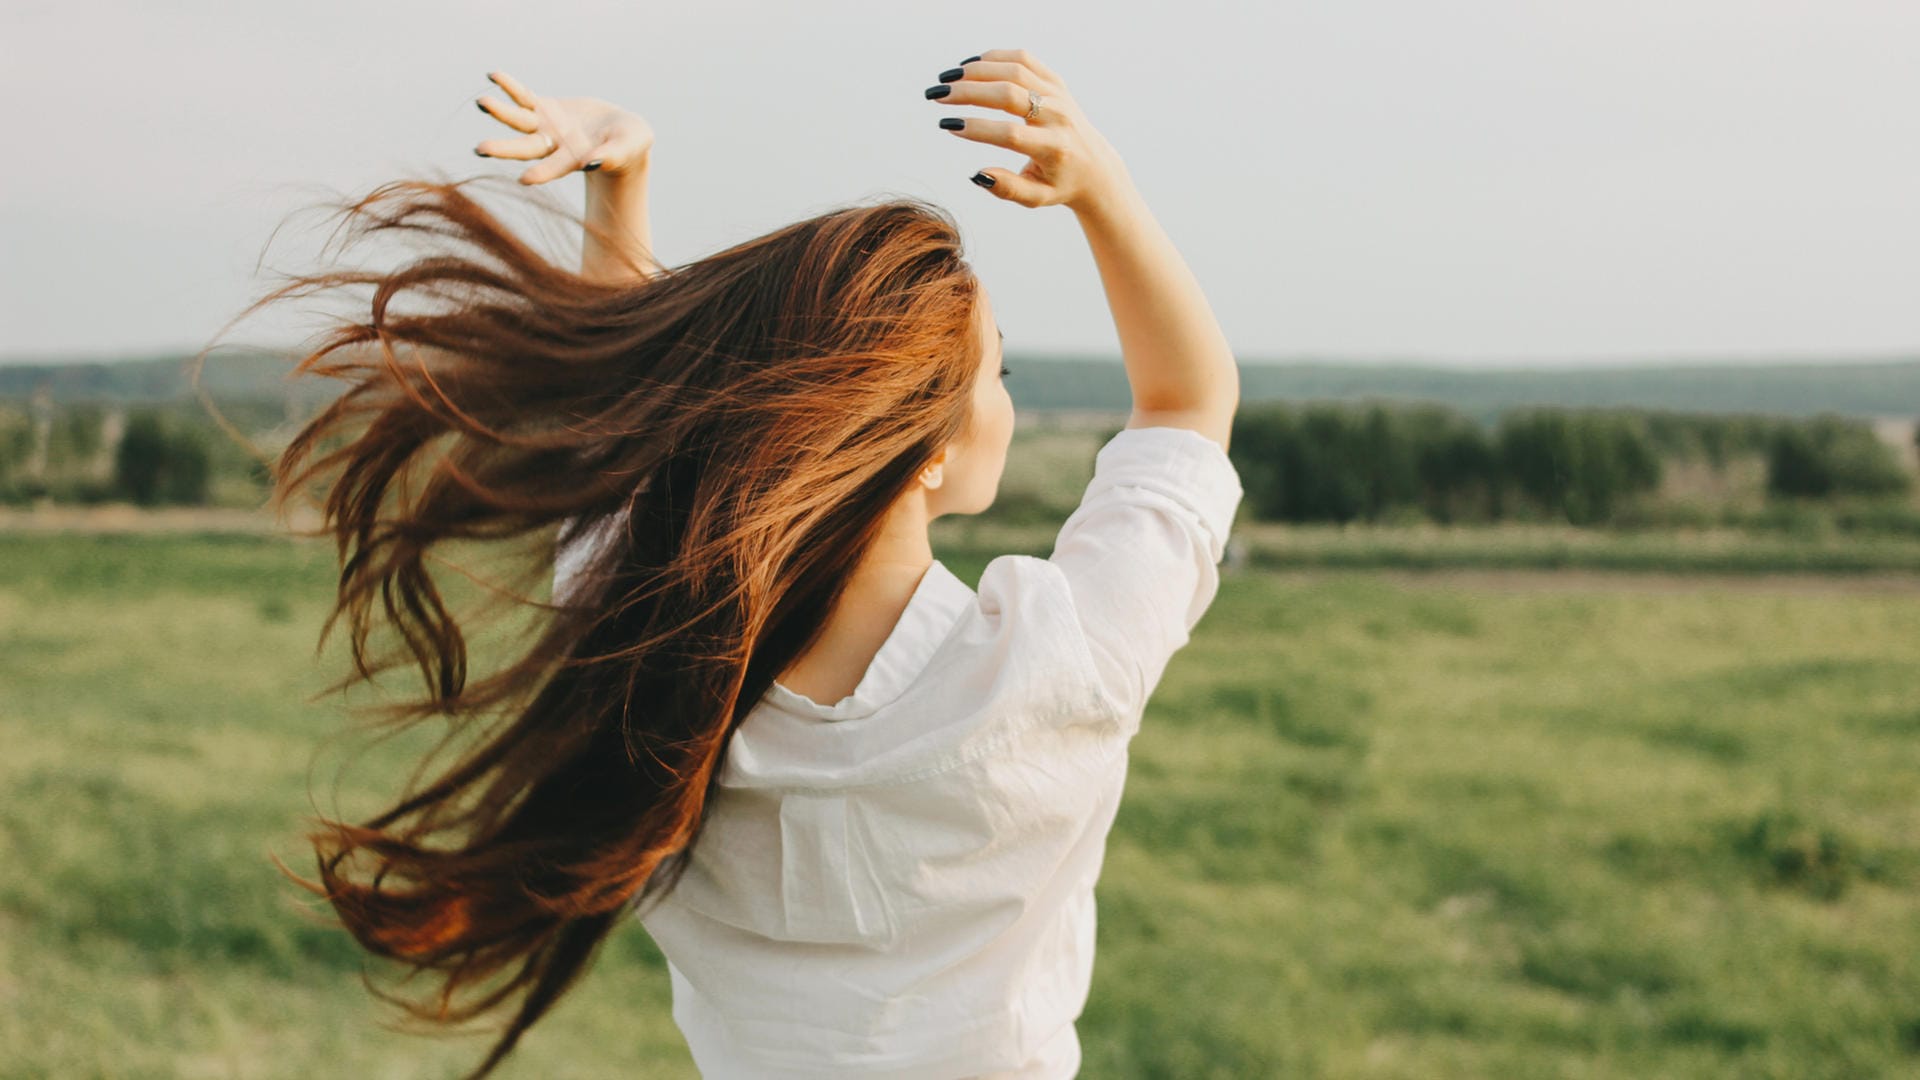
(617, 205)
(1110, 205)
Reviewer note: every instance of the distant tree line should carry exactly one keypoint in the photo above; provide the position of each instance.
(1338, 462)
(1311, 462)
(87, 453)
(1829, 455)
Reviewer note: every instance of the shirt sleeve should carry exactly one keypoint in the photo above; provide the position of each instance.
(1141, 553)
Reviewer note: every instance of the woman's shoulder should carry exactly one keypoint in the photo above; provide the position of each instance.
(1027, 592)
(1030, 605)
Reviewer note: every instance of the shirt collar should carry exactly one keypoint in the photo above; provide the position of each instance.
(936, 604)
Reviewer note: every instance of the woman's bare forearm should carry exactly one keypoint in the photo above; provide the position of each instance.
(617, 203)
(1178, 361)
(1177, 358)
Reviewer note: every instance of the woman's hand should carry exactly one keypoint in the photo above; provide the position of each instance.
(1068, 162)
(586, 133)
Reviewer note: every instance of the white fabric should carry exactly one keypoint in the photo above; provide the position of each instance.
(901, 884)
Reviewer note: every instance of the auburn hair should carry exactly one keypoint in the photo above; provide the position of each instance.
(733, 429)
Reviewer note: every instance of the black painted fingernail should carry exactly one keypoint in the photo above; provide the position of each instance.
(968, 60)
(481, 107)
(939, 91)
(982, 179)
(591, 165)
(951, 74)
(481, 152)
(952, 123)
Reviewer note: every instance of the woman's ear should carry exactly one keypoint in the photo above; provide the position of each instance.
(932, 473)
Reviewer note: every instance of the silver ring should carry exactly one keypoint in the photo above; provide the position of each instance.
(1033, 105)
(551, 145)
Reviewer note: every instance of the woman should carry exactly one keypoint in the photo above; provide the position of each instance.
(739, 458)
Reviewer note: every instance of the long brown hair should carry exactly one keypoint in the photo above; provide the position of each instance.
(737, 425)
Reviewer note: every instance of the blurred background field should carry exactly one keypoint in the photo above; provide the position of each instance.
(1534, 732)
(1382, 825)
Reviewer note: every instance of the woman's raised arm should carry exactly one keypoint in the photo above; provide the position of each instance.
(1179, 364)
(613, 147)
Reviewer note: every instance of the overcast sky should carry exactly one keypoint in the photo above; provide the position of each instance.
(1581, 181)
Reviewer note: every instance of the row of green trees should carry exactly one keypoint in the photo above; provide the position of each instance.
(1344, 462)
(1303, 463)
(1830, 456)
(158, 456)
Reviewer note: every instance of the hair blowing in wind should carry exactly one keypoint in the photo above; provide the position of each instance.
(738, 424)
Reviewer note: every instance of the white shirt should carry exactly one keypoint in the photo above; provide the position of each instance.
(901, 884)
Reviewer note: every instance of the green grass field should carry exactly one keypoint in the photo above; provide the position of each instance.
(1374, 828)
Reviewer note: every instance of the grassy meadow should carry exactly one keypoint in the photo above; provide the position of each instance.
(1376, 825)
